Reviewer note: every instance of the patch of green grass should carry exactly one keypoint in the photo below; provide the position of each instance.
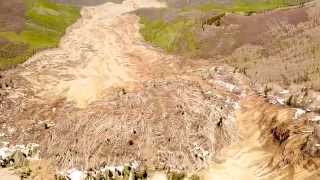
(51, 15)
(46, 22)
(178, 34)
(247, 6)
(171, 36)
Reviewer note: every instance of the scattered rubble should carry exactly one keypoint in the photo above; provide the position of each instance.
(123, 172)
(18, 155)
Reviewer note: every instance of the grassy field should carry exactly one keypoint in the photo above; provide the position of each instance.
(45, 24)
(249, 6)
(178, 35)
(169, 36)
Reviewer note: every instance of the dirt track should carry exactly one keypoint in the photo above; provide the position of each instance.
(172, 101)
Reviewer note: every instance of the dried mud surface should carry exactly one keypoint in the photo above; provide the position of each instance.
(104, 96)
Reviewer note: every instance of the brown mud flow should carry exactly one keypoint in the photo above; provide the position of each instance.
(273, 145)
(105, 97)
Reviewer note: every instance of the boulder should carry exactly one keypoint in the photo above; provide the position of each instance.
(19, 159)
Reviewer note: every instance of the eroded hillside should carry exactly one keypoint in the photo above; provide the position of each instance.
(106, 104)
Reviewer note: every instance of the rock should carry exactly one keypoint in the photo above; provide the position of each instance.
(25, 172)
(100, 176)
(60, 177)
(4, 162)
(215, 19)
(280, 134)
(19, 159)
(141, 174)
(127, 171)
(33, 150)
(89, 177)
(176, 176)
(194, 177)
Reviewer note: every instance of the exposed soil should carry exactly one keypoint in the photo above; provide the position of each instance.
(12, 15)
(8, 175)
(3, 42)
(294, 51)
(143, 94)
(104, 96)
(269, 140)
(239, 30)
(254, 44)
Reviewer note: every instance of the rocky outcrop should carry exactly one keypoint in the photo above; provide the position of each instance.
(209, 20)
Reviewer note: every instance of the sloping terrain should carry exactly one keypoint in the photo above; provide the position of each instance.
(105, 98)
(12, 15)
(29, 26)
(250, 41)
(273, 145)
(85, 2)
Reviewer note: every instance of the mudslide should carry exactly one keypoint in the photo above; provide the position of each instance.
(269, 147)
(96, 53)
(107, 97)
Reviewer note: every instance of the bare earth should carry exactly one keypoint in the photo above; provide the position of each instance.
(113, 98)
(98, 52)
(5, 174)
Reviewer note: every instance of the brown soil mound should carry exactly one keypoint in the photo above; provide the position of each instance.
(166, 124)
(12, 15)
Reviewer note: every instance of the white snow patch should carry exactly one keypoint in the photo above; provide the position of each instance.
(74, 174)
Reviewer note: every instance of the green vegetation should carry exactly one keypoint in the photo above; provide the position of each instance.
(178, 34)
(171, 36)
(45, 24)
(247, 6)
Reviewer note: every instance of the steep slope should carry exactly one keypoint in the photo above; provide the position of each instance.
(28, 26)
(105, 97)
